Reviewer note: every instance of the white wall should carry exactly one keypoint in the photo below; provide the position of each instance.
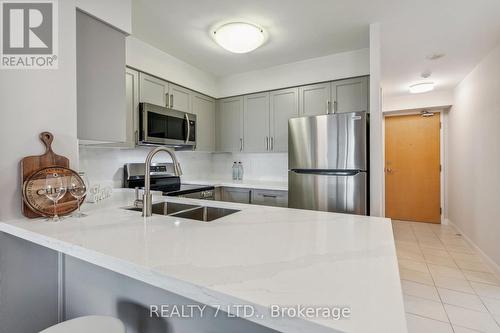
(117, 13)
(33, 101)
(105, 165)
(474, 156)
(149, 59)
(376, 133)
(418, 101)
(331, 67)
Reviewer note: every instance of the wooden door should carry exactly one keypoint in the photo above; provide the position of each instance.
(350, 95)
(256, 123)
(284, 105)
(314, 99)
(412, 168)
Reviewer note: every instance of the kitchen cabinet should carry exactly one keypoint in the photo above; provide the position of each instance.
(284, 105)
(256, 136)
(270, 198)
(100, 61)
(132, 106)
(314, 99)
(236, 194)
(350, 95)
(180, 98)
(153, 90)
(229, 124)
(204, 109)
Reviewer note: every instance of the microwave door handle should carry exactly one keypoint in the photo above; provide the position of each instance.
(188, 128)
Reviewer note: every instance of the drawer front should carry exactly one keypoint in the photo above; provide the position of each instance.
(239, 195)
(270, 198)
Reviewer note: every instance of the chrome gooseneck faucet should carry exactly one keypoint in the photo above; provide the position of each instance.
(147, 201)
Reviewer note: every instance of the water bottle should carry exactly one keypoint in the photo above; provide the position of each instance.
(235, 171)
(240, 171)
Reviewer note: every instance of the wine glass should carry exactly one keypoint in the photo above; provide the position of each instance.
(54, 191)
(78, 187)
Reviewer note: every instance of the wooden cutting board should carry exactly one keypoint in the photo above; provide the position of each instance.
(31, 164)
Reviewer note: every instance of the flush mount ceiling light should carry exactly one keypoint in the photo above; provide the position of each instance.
(239, 37)
(422, 87)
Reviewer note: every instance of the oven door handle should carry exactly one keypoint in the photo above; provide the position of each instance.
(188, 128)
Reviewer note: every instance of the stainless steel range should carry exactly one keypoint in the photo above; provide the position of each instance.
(163, 179)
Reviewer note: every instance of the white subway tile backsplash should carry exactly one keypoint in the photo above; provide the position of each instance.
(105, 165)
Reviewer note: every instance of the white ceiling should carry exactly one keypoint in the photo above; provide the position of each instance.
(464, 30)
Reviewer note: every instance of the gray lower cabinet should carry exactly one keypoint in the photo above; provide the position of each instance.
(229, 124)
(350, 95)
(204, 109)
(256, 138)
(284, 105)
(270, 198)
(253, 196)
(236, 194)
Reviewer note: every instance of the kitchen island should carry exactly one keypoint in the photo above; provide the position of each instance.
(266, 260)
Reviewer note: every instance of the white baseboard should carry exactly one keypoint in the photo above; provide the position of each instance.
(487, 260)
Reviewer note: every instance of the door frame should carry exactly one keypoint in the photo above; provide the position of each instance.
(443, 130)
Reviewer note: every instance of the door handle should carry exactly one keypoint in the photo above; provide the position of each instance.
(335, 105)
(327, 107)
(167, 99)
(267, 143)
(388, 170)
(188, 128)
(171, 100)
(272, 143)
(241, 144)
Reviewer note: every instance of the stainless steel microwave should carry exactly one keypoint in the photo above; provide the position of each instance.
(163, 126)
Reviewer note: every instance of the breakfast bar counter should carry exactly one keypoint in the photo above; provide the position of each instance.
(267, 258)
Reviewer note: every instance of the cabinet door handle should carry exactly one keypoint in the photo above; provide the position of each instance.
(327, 107)
(241, 144)
(272, 143)
(269, 196)
(171, 100)
(335, 104)
(267, 143)
(168, 99)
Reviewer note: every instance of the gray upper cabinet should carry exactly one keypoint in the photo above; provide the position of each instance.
(153, 90)
(204, 109)
(132, 106)
(314, 99)
(350, 95)
(229, 124)
(180, 98)
(284, 104)
(256, 123)
(100, 62)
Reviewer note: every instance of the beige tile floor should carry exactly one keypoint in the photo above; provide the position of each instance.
(447, 288)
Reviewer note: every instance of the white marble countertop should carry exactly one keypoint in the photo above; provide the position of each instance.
(260, 256)
(252, 184)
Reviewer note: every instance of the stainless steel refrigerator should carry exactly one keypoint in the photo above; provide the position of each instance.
(328, 163)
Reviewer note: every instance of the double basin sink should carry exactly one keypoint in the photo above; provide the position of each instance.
(193, 212)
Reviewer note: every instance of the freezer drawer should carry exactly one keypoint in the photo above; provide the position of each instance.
(333, 141)
(328, 192)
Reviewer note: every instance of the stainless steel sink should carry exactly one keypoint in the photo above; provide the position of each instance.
(205, 214)
(167, 208)
(185, 211)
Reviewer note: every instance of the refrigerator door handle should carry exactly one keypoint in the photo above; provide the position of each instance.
(327, 172)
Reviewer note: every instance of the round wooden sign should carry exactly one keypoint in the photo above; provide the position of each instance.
(34, 192)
